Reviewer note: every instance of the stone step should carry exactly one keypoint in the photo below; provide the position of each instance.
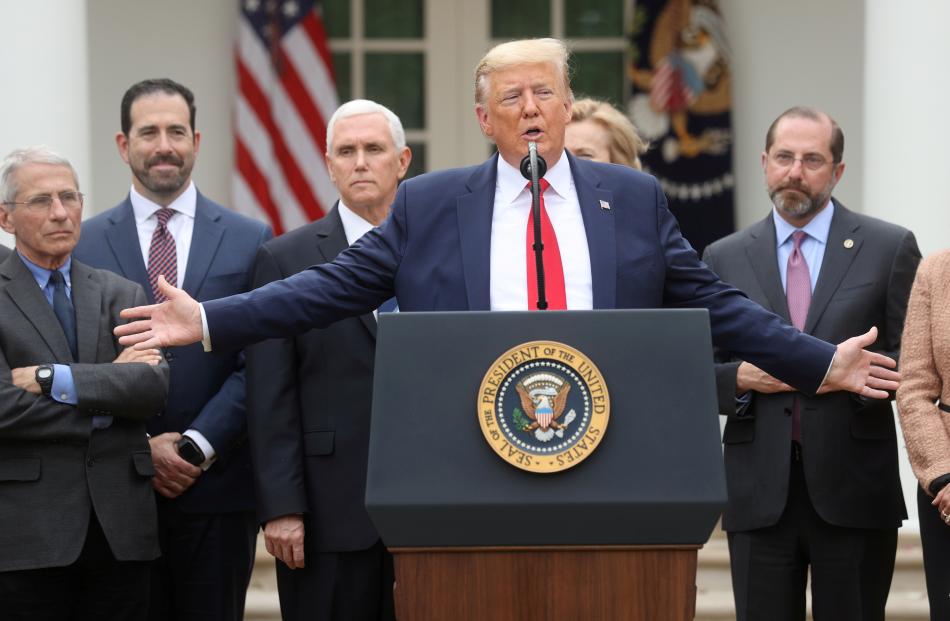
(907, 600)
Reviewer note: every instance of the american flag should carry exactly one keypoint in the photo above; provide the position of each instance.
(285, 97)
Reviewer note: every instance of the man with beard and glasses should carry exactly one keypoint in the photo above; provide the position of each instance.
(203, 476)
(812, 480)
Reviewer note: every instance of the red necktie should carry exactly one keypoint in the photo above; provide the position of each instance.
(553, 270)
(162, 257)
(798, 295)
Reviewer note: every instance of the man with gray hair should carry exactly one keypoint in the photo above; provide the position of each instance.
(77, 513)
(309, 397)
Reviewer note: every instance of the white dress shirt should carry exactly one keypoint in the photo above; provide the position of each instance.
(509, 271)
(354, 225)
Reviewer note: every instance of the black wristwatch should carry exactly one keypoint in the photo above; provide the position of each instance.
(44, 377)
(189, 450)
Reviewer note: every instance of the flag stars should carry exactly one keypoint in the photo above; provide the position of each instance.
(290, 9)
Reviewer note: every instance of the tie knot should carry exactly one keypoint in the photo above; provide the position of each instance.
(163, 215)
(797, 238)
(56, 277)
(542, 183)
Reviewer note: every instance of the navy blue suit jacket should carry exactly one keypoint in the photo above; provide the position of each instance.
(433, 253)
(206, 393)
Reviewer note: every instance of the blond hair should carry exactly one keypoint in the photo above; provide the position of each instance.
(625, 143)
(523, 52)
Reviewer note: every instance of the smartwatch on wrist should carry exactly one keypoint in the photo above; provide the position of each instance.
(189, 450)
(44, 377)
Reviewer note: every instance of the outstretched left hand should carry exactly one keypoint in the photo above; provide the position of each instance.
(863, 372)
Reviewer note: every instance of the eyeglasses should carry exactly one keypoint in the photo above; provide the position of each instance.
(44, 202)
(784, 159)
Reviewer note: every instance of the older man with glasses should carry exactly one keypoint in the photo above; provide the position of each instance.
(77, 516)
(812, 480)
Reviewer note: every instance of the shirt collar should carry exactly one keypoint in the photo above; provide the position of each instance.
(354, 225)
(144, 209)
(818, 228)
(511, 183)
(41, 274)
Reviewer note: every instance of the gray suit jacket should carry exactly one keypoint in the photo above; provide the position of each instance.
(4, 253)
(849, 444)
(54, 468)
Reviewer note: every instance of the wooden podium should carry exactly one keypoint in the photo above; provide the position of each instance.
(620, 583)
(612, 538)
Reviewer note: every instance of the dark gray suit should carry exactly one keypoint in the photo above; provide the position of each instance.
(848, 460)
(309, 400)
(55, 470)
(4, 253)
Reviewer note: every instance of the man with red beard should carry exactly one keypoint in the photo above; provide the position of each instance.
(207, 526)
(812, 480)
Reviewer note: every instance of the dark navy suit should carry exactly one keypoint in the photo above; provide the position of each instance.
(433, 253)
(206, 393)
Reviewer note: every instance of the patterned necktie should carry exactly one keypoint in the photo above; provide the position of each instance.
(798, 295)
(553, 269)
(162, 257)
(64, 311)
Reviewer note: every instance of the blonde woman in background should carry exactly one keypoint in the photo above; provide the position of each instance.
(600, 132)
(923, 401)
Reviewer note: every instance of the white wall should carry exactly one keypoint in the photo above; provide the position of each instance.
(45, 99)
(190, 42)
(808, 52)
(906, 124)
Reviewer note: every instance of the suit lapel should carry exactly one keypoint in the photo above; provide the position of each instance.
(123, 240)
(835, 263)
(331, 241)
(601, 237)
(762, 257)
(29, 298)
(474, 212)
(205, 240)
(87, 300)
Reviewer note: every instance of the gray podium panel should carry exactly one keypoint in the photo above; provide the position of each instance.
(656, 478)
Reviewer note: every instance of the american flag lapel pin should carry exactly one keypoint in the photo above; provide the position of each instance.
(605, 205)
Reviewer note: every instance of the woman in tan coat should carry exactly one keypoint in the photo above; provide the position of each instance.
(923, 401)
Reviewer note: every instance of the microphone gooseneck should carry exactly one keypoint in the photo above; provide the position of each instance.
(533, 168)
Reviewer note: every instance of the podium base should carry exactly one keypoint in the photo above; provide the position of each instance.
(622, 583)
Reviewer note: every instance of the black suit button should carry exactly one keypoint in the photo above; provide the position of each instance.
(169, 357)
(91, 462)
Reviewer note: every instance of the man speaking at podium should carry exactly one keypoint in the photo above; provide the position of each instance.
(460, 240)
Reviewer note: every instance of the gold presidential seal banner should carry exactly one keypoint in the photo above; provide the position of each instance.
(543, 406)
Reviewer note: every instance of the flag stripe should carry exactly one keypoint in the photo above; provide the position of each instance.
(285, 96)
(261, 106)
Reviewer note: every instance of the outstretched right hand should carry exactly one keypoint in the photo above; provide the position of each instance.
(176, 321)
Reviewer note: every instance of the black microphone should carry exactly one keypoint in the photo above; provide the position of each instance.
(533, 168)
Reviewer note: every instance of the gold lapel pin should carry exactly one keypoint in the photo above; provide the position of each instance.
(848, 243)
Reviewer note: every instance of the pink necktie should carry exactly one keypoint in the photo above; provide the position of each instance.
(553, 269)
(162, 257)
(798, 295)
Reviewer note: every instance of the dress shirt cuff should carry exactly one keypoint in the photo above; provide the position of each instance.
(63, 389)
(205, 447)
(823, 380)
(205, 334)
